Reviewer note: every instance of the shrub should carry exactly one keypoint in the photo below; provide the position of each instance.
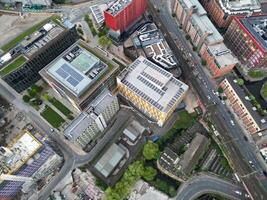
(26, 98)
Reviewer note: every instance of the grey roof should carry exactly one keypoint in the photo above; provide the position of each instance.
(257, 26)
(153, 84)
(133, 130)
(242, 95)
(234, 7)
(82, 122)
(193, 153)
(111, 158)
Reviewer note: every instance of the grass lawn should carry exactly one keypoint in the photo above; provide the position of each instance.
(60, 106)
(185, 120)
(13, 65)
(255, 73)
(52, 117)
(29, 31)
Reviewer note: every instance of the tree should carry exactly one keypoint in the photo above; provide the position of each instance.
(104, 41)
(46, 96)
(172, 192)
(151, 150)
(240, 81)
(173, 14)
(203, 62)
(26, 98)
(149, 173)
(224, 98)
(187, 37)
(36, 88)
(220, 90)
(194, 48)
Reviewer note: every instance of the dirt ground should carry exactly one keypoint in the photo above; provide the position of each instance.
(11, 25)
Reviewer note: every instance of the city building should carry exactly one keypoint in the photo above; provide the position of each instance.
(23, 162)
(19, 67)
(78, 75)
(240, 101)
(98, 13)
(204, 36)
(124, 13)
(29, 3)
(151, 89)
(219, 58)
(223, 11)
(194, 152)
(263, 6)
(110, 160)
(93, 120)
(148, 41)
(193, 19)
(247, 37)
(134, 131)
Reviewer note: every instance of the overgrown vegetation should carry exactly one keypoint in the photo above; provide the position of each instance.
(90, 24)
(256, 73)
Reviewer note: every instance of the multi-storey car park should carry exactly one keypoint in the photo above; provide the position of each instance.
(89, 125)
(151, 89)
(78, 75)
(19, 67)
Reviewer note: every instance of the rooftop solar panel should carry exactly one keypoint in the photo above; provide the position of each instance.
(72, 81)
(62, 73)
(72, 72)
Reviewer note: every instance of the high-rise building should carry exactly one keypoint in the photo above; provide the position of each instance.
(247, 37)
(123, 13)
(151, 89)
(20, 66)
(78, 76)
(93, 120)
(223, 11)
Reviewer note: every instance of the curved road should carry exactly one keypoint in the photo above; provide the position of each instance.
(204, 184)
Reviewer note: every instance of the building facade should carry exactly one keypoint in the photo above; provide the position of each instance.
(27, 74)
(223, 11)
(123, 13)
(151, 89)
(241, 104)
(204, 36)
(246, 37)
(219, 58)
(93, 120)
(89, 75)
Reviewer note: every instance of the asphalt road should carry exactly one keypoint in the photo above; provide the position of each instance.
(240, 152)
(203, 184)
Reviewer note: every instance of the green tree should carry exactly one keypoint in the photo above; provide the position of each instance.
(104, 41)
(220, 90)
(203, 62)
(149, 173)
(32, 93)
(36, 88)
(172, 192)
(187, 37)
(26, 98)
(240, 81)
(151, 150)
(46, 96)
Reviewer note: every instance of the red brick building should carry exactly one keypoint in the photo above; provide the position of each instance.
(247, 38)
(222, 11)
(123, 13)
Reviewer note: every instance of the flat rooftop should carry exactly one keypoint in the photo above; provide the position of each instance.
(22, 150)
(257, 27)
(152, 83)
(117, 6)
(150, 38)
(81, 123)
(111, 158)
(76, 69)
(240, 6)
(134, 130)
(223, 56)
(200, 18)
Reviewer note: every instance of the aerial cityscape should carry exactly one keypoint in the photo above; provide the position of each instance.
(133, 100)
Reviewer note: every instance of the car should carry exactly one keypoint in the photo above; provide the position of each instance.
(251, 163)
(247, 196)
(222, 102)
(232, 122)
(208, 97)
(51, 129)
(245, 138)
(238, 192)
(264, 173)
